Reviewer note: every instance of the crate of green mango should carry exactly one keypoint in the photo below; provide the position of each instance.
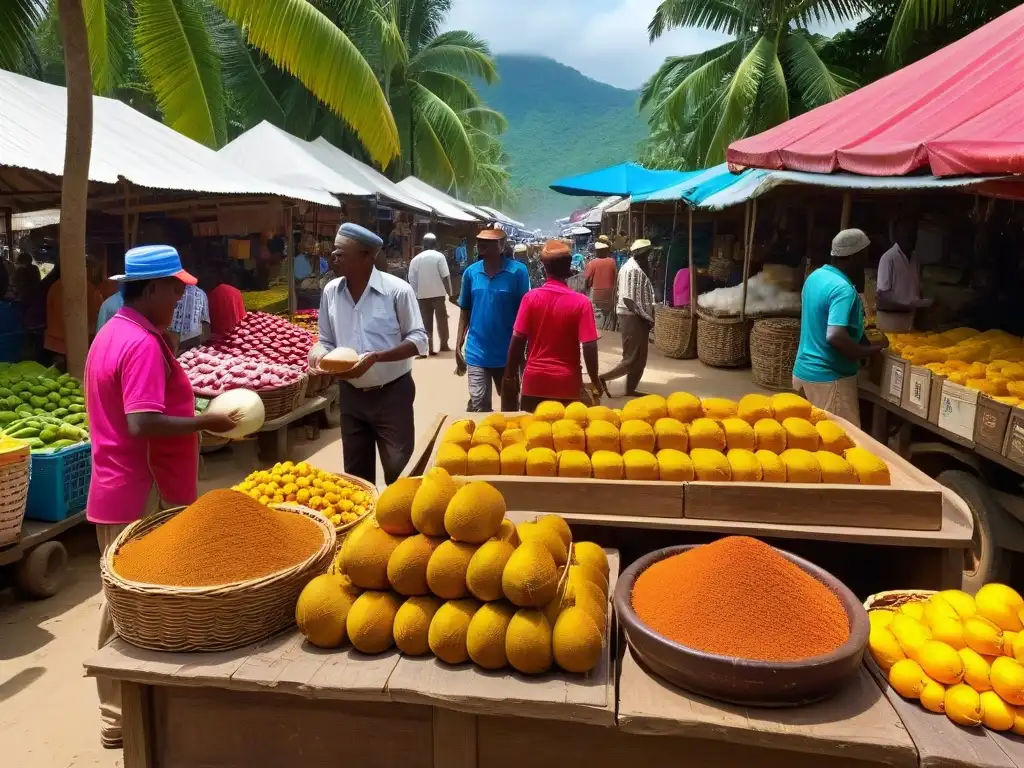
(46, 409)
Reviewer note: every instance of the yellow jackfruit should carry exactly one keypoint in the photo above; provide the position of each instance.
(739, 435)
(835, 469)
(538, 435)
(528, 642)
(636, 435)
(684, 407)
(576, 641)
(801, 466)
(648, 408)
(485, 639)
(460, 433)
(483, 577)
(590, 554)
(744, 466)
(449, 629)
(546, 535)
(483, 460)
(800, 433)
(833, 437)
(707, 433)
(447, 569)
(530, 577)
(550, 411)
(512, 437)
(431, 500)
(412, 624)
(559, 526)
(607, 465)
(541, 462)
(370, 621)
(475, 513)
(870, 469)
(568, 435)
(753, 408)
(786, 405)
(574, 464)
(602, 436)
(513, 459)
(773, 470)
(365, 553)
(710, 465)
(407, 566)
(487, 435)
(602, 413)
(577, 412)
(394, 507)
(769, 435)
(640, 465)
(671, 433)
(453, 458)
(674, 466)
(496, 421)
(322, 609)
(719, 408)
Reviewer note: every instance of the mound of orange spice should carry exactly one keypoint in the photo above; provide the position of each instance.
(738, 597)
(222, 538)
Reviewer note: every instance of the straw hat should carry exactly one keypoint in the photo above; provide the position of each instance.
(640, 245)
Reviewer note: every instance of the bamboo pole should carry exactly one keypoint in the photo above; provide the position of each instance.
(668, 253)
(124, 217)
(847, 214)
(290, 246)
(746, 259)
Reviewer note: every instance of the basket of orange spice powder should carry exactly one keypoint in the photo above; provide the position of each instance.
(221, 573)
(743, 622)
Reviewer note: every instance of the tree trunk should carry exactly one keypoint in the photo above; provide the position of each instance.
(75, 185)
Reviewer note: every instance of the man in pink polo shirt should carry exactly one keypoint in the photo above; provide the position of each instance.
(143, 427)
(553, 322)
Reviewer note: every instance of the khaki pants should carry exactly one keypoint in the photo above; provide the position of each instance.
(839, 397)
(110, 690)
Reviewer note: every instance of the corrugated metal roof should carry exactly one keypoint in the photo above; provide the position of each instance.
(382, 185)
(428, 194)
(126, 144)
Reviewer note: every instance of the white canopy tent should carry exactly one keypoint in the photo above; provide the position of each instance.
(445, 205)
(382, 185)
(594, 216)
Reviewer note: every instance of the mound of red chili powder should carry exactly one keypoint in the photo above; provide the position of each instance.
(738, 597)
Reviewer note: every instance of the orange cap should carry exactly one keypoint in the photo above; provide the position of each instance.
(490, 234)
(555, 249)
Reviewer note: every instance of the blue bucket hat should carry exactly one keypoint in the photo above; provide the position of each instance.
(150, 262)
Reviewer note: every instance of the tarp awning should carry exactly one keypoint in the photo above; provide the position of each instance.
(125, 144)
(446, 206)
(501, 218)
(596, 213)
(623, 179)
(955, 112)
(380, 183)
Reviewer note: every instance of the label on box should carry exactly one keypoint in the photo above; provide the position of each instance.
(896, 382)
(1015, 442)
(957, 412)
(919, 386)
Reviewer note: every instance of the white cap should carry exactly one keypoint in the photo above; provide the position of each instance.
(849, 242)
(519, 248)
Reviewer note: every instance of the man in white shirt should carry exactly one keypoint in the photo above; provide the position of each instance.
(635, 311)
(431, 281)
(376, 315)
(898, 294)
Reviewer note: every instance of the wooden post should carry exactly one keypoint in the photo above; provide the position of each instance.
(844, 220)
(290, 245)
(668, 253)
(643, 228)
(693, 273)
(746, 258)
(125, 222)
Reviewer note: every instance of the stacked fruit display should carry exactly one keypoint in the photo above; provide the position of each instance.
(956, 654)
(309, 319)
(439, 569)
(271, 300)
(339, 500)
(212, 373)
(268, 338)
(680, 438)
(42, 407)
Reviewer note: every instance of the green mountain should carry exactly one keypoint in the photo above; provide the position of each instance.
(560, 123)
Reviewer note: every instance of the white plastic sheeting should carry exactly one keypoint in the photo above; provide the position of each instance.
(446, 206)
(126, 144)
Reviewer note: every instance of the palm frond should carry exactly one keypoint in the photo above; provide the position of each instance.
(666, 77)
(911, 17)
(18, 22)
(182, 67)
(714, 15)
(702, 81)
(301, 40)
(459, 52)
(451, 89)
(442, 123)
(772, 105)
(109, 27)
(816, 83)
(486, 119)
(738, 98)
(808, 12)
(421, 20)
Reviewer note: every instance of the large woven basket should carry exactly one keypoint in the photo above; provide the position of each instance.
(187, 619)
(14, 477)
(674, 332)
(720, 266)
(283, 400)
(773, 345)
(723, 342)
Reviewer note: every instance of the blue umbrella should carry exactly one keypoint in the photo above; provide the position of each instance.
(623, 179)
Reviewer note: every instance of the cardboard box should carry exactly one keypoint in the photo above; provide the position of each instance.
(958, 409)
(1013, 443)
(917, 391)
(935, 399)
(990, 423)
(894, 375)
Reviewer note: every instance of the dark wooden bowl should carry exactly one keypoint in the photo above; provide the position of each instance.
(743, 681)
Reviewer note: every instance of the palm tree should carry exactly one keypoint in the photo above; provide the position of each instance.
(772, 67)
(916, 16)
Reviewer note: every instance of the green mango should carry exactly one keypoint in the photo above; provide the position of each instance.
(60, 413)
(7, 417)
(39, 391)
(38, 402)
(76, 408)
(23, 411)
(48, 435)
(53, 397)
(77, 399)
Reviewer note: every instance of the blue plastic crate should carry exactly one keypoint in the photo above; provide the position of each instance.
(60, 483)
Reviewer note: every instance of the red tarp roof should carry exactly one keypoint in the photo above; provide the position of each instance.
(958, 111)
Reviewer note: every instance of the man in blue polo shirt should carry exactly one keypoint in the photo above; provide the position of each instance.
(492, 289)
(832, 340)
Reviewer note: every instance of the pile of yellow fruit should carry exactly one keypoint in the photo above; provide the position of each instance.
(957, 654)
(339, 500)
(680, 438)
(991, 362)
(439, 569)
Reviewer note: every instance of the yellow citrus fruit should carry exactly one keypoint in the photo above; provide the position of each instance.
(949, 631)
(941, 662)
(914, 610)
(1001, 605)
(976, 670)
(1007, 678)
(910, 633)
(937, 608)
(908, 678)
(996, 714)
(885, 649)
(983, 636)
(933, 697)
(963, 705)
(880, 617)
(1009, 639)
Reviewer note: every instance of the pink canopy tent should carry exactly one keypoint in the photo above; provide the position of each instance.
(958, 111)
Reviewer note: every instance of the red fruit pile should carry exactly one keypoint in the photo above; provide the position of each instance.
(268, 338)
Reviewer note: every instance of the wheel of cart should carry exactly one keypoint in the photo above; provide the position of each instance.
(37, 563)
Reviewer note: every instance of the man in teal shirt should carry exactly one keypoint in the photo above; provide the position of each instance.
(832, 339)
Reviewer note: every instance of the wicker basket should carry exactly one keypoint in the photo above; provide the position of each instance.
(283, 400)
(14, 476)
(674, 332)
(720, 266)
(773, 345)
(318, 383)
(187, 619)
(723, 342)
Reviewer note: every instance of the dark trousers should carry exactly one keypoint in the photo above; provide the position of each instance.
(636, 336)
(379, 419)
(429, 309)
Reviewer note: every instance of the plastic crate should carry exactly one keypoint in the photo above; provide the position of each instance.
(60, 483)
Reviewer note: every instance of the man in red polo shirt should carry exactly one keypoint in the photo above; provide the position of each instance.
(553, 322)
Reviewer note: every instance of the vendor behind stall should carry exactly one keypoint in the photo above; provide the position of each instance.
(832, 340)
(898, 295)
(227, 307)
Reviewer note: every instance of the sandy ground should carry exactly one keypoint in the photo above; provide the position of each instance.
(48, 710)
